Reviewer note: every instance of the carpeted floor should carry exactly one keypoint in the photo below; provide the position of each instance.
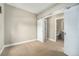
(36, 48)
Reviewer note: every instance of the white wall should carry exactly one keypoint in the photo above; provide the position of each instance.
(20, 25)
(51, 28)
(1, 28)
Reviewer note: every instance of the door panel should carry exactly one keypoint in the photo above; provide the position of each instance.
(39, 30)
(71, 41)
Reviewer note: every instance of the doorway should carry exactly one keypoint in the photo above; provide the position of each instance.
(60, 29)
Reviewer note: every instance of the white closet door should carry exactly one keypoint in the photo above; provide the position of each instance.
(41, 30)
(71, 29)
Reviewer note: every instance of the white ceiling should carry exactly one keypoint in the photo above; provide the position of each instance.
(33, 7)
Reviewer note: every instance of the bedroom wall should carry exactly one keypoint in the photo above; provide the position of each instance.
(1, 27)
(51, 28)
(20, 25)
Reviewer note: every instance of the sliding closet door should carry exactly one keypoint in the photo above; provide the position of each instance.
(71, 29)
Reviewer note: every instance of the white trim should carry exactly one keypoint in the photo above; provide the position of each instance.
(55, 29)
(15, 44)
(60, 18)
(40, 40)
(19, 43)
(52, 40)
(2, 50)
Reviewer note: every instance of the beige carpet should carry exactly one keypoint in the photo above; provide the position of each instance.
(36, 48)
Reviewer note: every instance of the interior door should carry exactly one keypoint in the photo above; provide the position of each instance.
(40, 30)
(45, 30)
(71, 29)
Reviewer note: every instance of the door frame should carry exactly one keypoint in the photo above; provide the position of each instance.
(56, 25)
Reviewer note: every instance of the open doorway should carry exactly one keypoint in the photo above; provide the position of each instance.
(60, 31)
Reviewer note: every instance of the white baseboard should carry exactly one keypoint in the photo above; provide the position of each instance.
(48, 39)
(52, 40)
(2, 50)
(40, 40)
(19, 43)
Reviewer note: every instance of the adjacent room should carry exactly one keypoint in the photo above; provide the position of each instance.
(39, 29)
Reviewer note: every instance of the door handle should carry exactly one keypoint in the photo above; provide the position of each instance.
(64, 33)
